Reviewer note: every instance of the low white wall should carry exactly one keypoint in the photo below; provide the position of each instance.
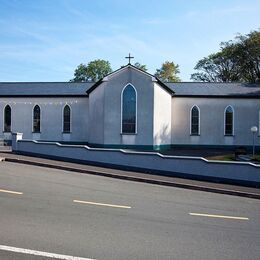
(239, 171)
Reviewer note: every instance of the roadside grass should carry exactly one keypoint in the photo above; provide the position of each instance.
(227, 157)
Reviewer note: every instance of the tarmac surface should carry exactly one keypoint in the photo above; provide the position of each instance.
(51, 213)
(236, 190)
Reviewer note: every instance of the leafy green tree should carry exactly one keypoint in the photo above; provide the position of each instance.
(93, 71)
(80, 73)
(217, 67)
(248, 56)
(237, 60)
(168, 72)
(140, 66)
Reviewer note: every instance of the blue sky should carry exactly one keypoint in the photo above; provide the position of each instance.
(45, 40)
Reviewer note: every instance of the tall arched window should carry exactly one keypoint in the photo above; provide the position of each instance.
(66, 119)
(259, 124)
(7, 119)
(129, 105)
(36, 119)
(195, 121)
(229, 121)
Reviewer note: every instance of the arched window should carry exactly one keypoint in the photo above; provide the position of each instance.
(7, 119)
(129, 104)
(36, 119)
(229, 121)
(259, 124)
(66, 119)
(195, 121)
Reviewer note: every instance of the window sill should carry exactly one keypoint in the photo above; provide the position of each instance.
(194, 134)
(128, 133)
(36, 132)
(5, 132)
(66, 132)
(229, 135)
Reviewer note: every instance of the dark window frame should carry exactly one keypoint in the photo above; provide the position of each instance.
(129, 110)
(7, 119)
(229, 121)
(195, 120)
(36, 119)
(66, 126)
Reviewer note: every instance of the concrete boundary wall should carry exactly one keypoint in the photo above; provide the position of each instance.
(151, 162)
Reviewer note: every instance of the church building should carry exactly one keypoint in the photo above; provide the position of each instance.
(130, 108)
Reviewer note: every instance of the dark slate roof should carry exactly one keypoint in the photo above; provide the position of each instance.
(203, 89)
(22, 89)
(180, 89)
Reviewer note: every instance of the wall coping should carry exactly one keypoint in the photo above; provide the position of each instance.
(142, 153)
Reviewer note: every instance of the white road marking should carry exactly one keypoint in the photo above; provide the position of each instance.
(11, 192)
(40, 253)
(218, 216)
(102, 204)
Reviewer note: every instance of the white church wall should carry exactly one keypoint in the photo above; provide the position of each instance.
(51, 117)
(212, 121)
(161, 116)
(96, 115)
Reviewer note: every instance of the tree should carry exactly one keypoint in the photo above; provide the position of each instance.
(168, 72)
(248, 56)
(93, 71)
(217, 67)
(140, 66)
(80, 74)
(237, 60)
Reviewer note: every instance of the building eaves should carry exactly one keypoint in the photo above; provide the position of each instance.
(43, 89)
(201, 89)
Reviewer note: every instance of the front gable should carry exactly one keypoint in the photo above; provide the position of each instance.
(130, 74)
(110, 125)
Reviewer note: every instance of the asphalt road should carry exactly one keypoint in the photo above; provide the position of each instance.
(92, 217)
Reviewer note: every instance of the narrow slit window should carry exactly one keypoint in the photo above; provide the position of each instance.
(7, 118)
(195, 120)
(229, 121)
(36, 119)
(66, 119)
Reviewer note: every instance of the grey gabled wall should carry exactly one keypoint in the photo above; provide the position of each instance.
(105, 110)
(96, 115)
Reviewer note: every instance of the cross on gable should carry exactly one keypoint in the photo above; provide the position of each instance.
(129, 58)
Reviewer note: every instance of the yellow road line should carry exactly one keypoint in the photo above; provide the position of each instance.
(218, 216)
(102, 204)
(11, 192)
